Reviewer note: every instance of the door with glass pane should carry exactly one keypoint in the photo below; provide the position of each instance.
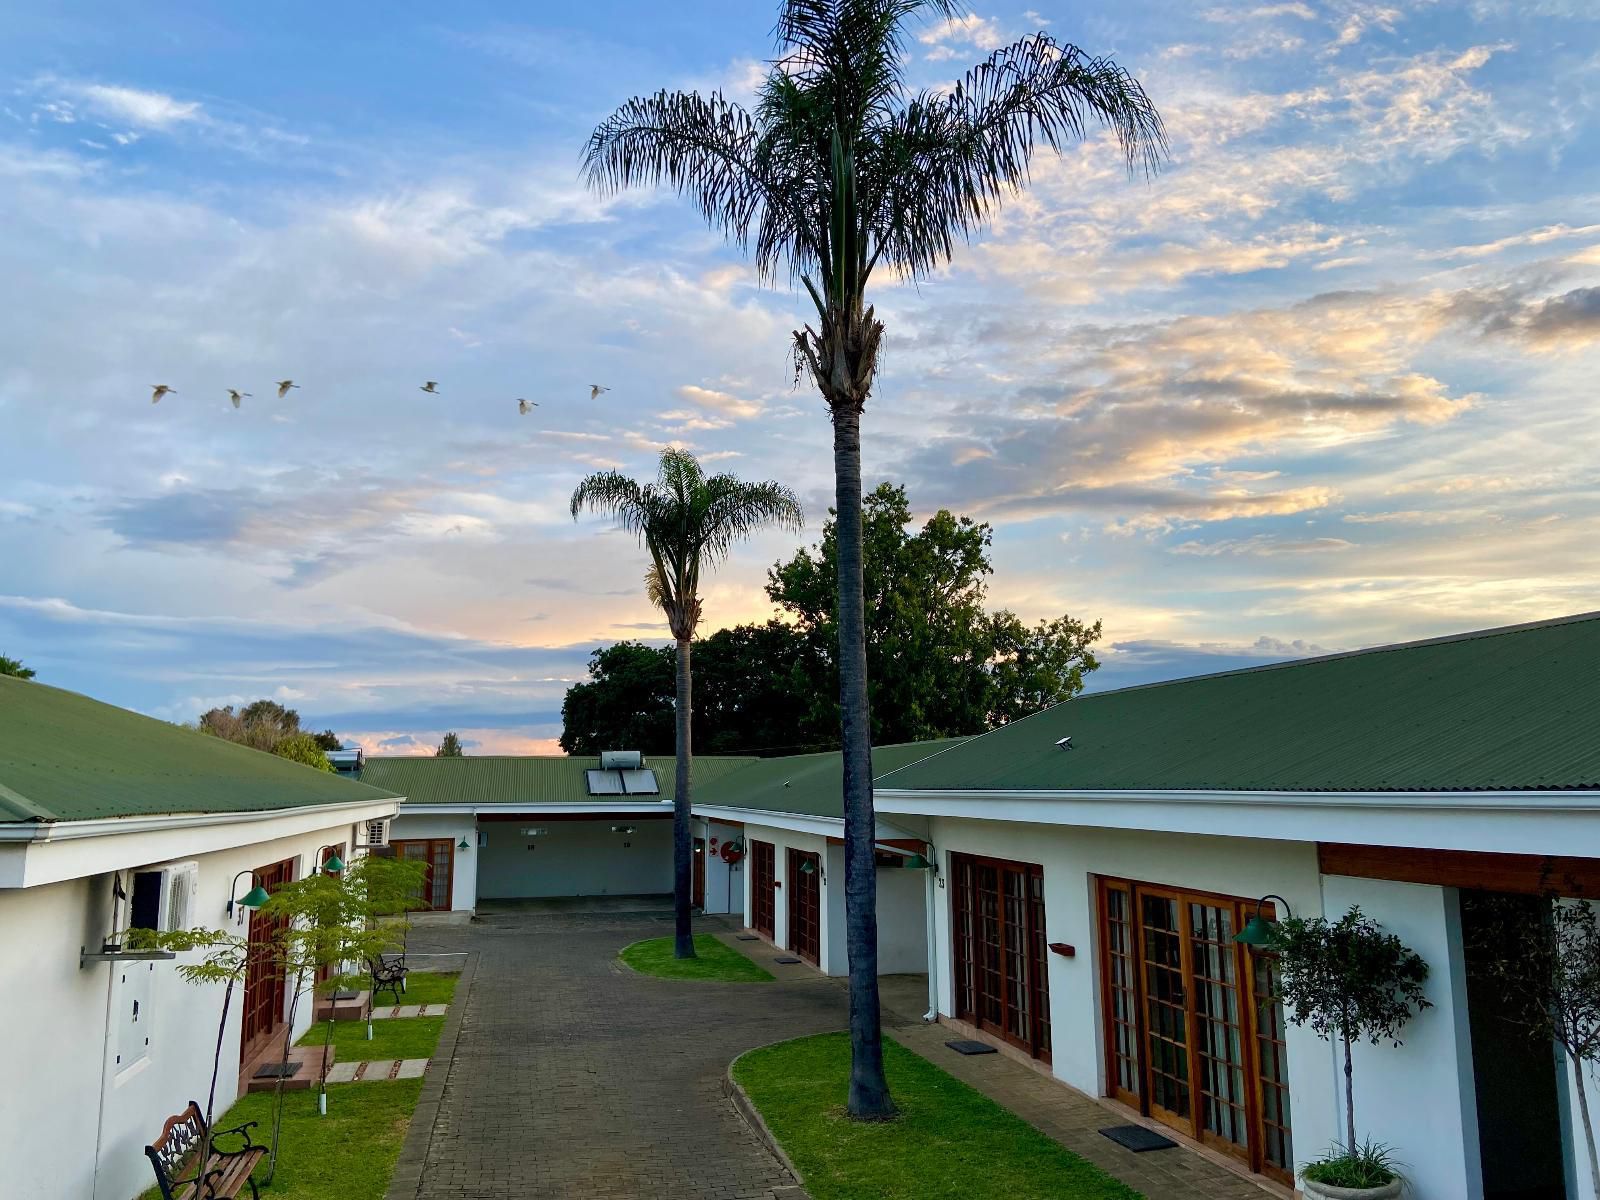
(805, 905)
(438, 857)
(1193, 1036)
(763, 882)
(1002, 977)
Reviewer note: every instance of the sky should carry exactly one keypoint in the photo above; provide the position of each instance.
(1327, 381)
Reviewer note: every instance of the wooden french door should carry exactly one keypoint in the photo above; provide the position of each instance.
(1193, 1035)
(763, 888)
(698, 898)
(805, 905)
(439, 857)
(263, 976)
(1002, 977)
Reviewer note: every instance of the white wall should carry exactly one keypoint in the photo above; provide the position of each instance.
(902, 926)
(455, 826)
(58, 1057)
(575, 858)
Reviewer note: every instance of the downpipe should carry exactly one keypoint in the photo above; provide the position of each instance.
(932, 1015)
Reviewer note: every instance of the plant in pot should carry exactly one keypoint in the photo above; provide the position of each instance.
(1349, 980)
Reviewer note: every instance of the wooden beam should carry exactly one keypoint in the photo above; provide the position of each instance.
(1529, 874)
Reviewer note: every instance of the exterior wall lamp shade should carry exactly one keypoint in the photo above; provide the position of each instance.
(1260, 931)
(917, 863)
(808, 867)
(462, 844)
(255, 897)
(334, 865)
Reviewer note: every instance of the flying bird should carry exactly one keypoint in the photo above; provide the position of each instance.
(431, 388)
(595, 390)
(236, 396)
(159, 390)
(283, 387)
(526, 406)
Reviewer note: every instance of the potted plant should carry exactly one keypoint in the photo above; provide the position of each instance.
(1348, 979)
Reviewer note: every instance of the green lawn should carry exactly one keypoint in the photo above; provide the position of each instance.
(428, 987)
(350, 1153)
(715, 962)
(949, 1141)
(405, 1037)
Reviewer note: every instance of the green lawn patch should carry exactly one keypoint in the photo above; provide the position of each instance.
(350, 1153)
(949, 1141)
(715, 962)
(405, 1037)
(428, 987)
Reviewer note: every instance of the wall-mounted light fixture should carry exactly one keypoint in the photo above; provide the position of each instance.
(622, 829)
(462, 844)
(1259, 930)
(253, 899)
(333, 864)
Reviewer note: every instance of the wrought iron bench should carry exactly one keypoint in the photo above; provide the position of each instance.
(225, 1172)
(389, 973)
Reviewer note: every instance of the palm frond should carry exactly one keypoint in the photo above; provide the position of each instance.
(735, 510)
(612, 494)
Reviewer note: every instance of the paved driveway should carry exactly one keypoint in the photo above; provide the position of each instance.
(574, 1077)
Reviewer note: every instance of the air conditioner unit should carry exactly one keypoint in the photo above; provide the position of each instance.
(376, 833)
(164, 899)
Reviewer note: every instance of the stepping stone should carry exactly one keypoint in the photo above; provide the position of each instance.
(411, 1068)
(964, 1046)
(342, 1072)
(785, 961)
(369, 1072)
(1137, 1138)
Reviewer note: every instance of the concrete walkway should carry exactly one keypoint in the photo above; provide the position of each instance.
(562, 1073)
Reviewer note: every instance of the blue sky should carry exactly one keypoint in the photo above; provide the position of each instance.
(1326, 382)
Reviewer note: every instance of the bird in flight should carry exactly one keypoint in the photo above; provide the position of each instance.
(158, 390)
(283, 387)
(526, 406)
(595, 391)
(236, 396)
(431, 388)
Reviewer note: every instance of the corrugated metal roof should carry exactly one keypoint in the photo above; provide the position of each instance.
(524, 780)
(1514, 708)
(65, 757)
(810, 785)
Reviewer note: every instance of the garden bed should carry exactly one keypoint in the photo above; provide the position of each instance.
(948, 1141)
(715, 962)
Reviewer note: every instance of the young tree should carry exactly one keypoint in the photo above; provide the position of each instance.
(1547, 964)
(450, 747)
(303, 748)
(837, 170)
(1348, 979)
(688, 522)
(14, 668)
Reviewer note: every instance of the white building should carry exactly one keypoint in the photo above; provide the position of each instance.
(110, 819)
(1095, 861)
(536, 826)
(784, 820)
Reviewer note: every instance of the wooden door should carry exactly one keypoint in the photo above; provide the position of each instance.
(1002, 976)
(699, 897)
(805, 905)
(1194, 1038)
(264, 976)
(438, 856)
(763, 888)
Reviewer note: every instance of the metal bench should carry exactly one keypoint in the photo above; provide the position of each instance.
(389, 973)
(225, 1173)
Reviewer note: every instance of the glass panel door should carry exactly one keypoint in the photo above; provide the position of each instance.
(1277, 1146)
(997, 930)
(1124, 1073)
(1166, 1009)
(1218, 1027)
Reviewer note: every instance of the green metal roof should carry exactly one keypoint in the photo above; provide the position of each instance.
(65, 757)
(810, 785)
(1512, 708)
(523, 780)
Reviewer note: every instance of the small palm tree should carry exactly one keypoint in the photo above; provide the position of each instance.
(839, 170)
(688, 523)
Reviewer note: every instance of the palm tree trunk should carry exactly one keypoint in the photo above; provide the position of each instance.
(869, 1090)
(682, 867)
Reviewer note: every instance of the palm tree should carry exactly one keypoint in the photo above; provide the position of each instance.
(836, 170)
(688, 523)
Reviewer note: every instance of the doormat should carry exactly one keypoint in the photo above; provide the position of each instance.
(1138, 1139)
(969, 1047)
(277, 1070)
(747, 937)
(786, 961)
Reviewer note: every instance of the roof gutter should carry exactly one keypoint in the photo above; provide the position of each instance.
(61, 831)
(804, 822)
(932, 801)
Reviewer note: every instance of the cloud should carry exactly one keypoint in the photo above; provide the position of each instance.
(1533, 237)
(949, 37)
(722, 402)
(1262, 545)
(1565, 321)
(147, 110)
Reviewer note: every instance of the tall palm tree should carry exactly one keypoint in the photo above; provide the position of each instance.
(837, 170)
(688, 523)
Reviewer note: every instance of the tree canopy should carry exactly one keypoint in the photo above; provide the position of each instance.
(449, 747)
(268, 725)
(14, 668)
(941, 664)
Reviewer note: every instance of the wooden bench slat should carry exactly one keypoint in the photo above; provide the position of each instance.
(235, 1170)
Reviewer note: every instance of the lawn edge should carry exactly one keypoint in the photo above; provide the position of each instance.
(751, 1115)
(771, 978)
(406, 1182)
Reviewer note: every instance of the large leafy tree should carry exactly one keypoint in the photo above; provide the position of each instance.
(941, 664)
(626, 703)
(688, 522)
(837, 171)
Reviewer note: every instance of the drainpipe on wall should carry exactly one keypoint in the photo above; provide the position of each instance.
(932, 1014)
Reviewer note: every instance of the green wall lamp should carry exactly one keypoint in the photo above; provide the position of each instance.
(253, 899)
(1262, 931)
(333, 864)
(462, 844)
(916, 863)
